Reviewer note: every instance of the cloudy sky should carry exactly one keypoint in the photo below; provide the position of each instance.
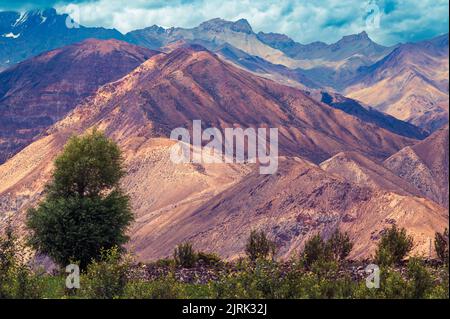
(386, 21)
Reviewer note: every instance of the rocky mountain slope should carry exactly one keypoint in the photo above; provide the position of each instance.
(299, 201)
(357, 169)
(192, 83)
(36, 93)
(369, 114)
(425, 165)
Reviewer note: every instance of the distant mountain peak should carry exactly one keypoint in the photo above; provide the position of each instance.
(359, 37)
(156, 29)
(272, 38)
(218, 24)
(242, 25)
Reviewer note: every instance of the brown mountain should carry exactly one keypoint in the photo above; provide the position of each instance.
(37, 92)
(216, 205)
(425, 165)
(190, 83)
(292, 205)
(411, 84)
(360, 170)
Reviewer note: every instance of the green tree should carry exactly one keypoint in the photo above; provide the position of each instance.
(259, 246)
(314, 251)
(84, 210)
(339, 246)
(441, 246)
(332, 251)
(393, 247)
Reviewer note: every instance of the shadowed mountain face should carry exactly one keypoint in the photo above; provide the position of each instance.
(33, 32)
(411, 84)
(36, 93)
(370, 115)
(425, 165)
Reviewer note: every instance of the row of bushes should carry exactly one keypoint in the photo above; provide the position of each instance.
(318, 273)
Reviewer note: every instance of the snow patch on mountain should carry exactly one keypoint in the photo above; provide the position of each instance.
(11, 35)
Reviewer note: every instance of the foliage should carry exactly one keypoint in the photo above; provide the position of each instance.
(208, 259)
(317, 251)
(420, 281)
(314, 251)
(339, 246)
(7, 261)
(441, 246)
(165, 288)
(84, 210)
(106, 278)
(393, 247)
(184, 255)
(16, 278)
(259, 246)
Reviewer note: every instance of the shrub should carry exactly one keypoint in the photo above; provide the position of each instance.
(262, 280)
(420, 281)
(392, 286)
(441, 246)
(16, 278)
(84, 210)
(441, 288)
(166, 288)
(27, 285)
(259, 246)
(336, 249)
(393, 247)
(184, 255)
(165, 262)
(339, 246)
(106, 278)
(8, 250)
(315, 250)
(209, 259)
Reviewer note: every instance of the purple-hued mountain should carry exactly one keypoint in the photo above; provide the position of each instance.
(37, 92)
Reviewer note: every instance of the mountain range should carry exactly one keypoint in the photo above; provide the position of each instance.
(349, 157)
(408, 81)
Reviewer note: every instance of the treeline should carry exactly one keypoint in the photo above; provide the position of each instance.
(83, 220)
